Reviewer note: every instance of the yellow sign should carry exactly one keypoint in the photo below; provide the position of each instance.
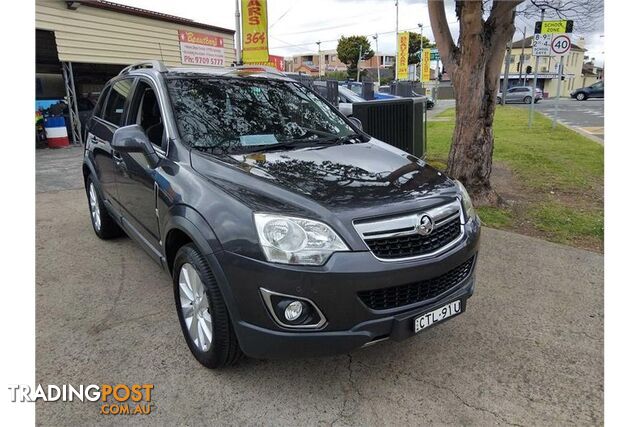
(426, 65)
(554, 27)
(255, 40)
(402, 59)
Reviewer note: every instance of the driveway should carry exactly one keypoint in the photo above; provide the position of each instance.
(586, 117)
(528, 351)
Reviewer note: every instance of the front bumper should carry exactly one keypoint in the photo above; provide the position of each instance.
(333, 288)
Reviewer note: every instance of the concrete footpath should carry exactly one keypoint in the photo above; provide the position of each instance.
(528, 351)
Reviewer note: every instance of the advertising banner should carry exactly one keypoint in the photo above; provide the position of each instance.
(403, 56)
(201, 49)
(426, 65)
(274, 61)
(255, 43)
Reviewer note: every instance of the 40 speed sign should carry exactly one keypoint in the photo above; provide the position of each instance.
(560, 45)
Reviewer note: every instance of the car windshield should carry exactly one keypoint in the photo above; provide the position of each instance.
(235, 115)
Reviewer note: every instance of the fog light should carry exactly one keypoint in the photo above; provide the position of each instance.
(293, 311)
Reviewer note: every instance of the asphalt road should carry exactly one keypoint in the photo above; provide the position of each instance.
(528, 351)
(585, 116)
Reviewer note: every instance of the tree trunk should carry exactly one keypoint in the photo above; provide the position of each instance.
(471, 153)
(474, 66)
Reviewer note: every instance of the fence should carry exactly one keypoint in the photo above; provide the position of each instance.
(399, 122)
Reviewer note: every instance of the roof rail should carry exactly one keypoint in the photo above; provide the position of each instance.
(152, 63)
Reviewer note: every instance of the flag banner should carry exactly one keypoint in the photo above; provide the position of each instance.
(255, 40)
(403, 56)
(426, 65)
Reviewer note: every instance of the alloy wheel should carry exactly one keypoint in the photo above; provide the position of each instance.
(195, 307)
(94, 206)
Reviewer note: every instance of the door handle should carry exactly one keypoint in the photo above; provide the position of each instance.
(117, 157)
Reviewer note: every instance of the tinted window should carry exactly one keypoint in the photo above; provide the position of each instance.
(238, 114)
(145, 111)
(115, 102)
(100, 105)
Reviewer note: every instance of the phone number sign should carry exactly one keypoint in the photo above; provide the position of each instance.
(201, 49)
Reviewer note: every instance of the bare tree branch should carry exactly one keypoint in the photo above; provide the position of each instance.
(442, 34)
(586, 14)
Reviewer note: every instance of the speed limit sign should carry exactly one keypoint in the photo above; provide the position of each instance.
(560, 45)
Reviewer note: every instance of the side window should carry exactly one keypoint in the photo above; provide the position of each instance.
(145, 111)
(114, 108)
(99, 109)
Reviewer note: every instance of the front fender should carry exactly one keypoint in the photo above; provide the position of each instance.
(190, 222)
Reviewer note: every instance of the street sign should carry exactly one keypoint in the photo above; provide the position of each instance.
(554, 27)
(435, 55)
(560, 45)
(542, 44)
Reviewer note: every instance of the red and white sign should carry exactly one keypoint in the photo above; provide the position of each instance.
(560, 45)
(201, 49)
(275, 61)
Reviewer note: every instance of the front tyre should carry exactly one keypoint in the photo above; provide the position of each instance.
(527, 100)
(581, 96)
(104, 225)
(203, 315)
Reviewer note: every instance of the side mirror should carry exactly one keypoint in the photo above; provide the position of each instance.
(356, 122)
(132, 139)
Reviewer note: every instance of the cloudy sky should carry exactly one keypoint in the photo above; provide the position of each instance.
(296, 25)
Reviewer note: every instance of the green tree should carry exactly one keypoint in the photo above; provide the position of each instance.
(349, 49)
(414, 47)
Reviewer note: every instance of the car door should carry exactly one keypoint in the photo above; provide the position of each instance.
(597, 90)
(135, 177)
(107, 118)
(512, 95)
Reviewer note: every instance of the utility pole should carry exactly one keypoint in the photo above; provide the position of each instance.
(535, 78)
(524, 36)
(421, 58)
(238, 35)
(397, 45)
(319, 59)
(505, 78)
(358, 63)
(377, 58)
(555, 107)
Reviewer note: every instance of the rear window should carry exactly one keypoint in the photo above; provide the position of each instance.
(115, 102)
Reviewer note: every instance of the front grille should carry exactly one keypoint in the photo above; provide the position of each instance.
(411, 245)
(398, 296)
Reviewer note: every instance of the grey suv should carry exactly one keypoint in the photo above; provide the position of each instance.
(286, 229)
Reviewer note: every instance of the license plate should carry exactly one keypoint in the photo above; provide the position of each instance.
(425, 320)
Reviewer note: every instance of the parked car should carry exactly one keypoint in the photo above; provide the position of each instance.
(346, 97)
(596, 90)
(357, 88)
(520, 94)
(286, 229)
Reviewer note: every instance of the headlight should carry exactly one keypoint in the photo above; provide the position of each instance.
(467, 205)
(292, 240)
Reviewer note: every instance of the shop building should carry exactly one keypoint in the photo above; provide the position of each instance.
(80, 45)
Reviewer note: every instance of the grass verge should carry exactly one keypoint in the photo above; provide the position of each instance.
(552, 179)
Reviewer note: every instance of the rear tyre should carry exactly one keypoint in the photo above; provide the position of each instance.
(203, 315)
(104, 225)
(499, 100)
(527, 100)
(581, 96)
